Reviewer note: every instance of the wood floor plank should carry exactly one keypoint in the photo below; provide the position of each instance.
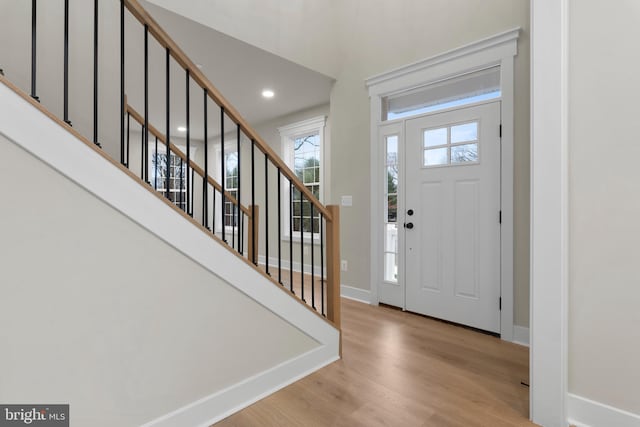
(402, 369)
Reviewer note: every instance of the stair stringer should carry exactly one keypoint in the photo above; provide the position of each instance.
(27, 124)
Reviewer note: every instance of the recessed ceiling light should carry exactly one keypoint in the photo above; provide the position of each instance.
(268, 93)
(182, 129)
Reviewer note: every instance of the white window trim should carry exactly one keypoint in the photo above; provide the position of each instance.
(288, 134)
(500, 50)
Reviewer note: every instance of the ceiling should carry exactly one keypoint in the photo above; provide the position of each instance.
(238, 70)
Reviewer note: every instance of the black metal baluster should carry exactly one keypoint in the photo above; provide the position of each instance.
(168, 124)
(142, 137)
(122, 95)
(34, 52)
(128, 137)
(145, 148)
(302, 246)
(205, 179)
(279, 227)
(155, 176)
(253, 202)
(181, 193)
(188, 207)
(238, 193)
(266, 213)
(95, 73)
(66, 64)
(313, 277)
(291, 236)
(223, 173)
(193, 178)
(322, 263)
(213, 222)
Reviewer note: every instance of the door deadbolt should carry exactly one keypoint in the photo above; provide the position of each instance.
(410, 212)
(408, 225)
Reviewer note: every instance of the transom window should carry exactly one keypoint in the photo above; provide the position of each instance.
(450, 145)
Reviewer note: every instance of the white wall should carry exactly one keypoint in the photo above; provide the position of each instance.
(98, 312)
(301, 31)
(604, 186)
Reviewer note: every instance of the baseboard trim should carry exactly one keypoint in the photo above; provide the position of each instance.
(583, 412)
(521, 335)
(356, 294)
(238, 396)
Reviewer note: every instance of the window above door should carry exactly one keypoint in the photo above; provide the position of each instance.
(458, 91)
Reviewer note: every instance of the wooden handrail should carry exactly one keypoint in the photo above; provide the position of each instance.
(197, 169)
(198, 76)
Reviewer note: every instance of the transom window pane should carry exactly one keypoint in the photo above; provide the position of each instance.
(466, 89)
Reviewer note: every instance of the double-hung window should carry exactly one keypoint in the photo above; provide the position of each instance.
(303, 151)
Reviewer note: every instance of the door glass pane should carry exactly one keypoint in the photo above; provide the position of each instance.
(390, 267)
(391, 238)
(437, 156)
(435, 137)
(465, 132)
(464, 153)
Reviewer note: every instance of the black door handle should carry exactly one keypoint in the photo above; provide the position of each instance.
(408, 225)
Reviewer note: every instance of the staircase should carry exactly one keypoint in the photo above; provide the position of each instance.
(185, 233)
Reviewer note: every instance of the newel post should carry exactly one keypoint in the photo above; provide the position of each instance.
(333, 265)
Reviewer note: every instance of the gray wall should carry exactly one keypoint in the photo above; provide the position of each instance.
(99, 313)
(604, 203)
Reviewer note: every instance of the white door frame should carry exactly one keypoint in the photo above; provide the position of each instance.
(499, 49)
(549, 212)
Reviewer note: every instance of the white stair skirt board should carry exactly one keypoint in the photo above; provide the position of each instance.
(228, 401)
(30, 129)
(356, 294)
(521, 335)
(583, 412)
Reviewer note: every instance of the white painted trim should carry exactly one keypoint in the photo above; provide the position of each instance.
(584, 412)
(499, 50)
(549, 212)
(521, 335)
(232, 399)
(27, 127)
(302, 127)
(356, 294)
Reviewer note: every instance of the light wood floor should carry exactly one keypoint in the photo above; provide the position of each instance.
(401, 369)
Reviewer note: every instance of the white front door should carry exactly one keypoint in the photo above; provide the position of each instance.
(452, 216)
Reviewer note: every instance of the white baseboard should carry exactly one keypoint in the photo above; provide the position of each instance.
(583, 412)
(232, 399)
(521, 335)
(356, 294)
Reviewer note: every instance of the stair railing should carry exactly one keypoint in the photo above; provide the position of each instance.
(313, 229)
